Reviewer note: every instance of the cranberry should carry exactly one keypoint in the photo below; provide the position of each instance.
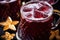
(38, 14)
(43, 8)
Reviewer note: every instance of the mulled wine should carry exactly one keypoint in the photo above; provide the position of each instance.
(36, 19)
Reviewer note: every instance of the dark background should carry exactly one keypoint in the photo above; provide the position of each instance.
(55, 6)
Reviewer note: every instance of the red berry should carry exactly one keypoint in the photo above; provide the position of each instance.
(38, 14)
(43, 8)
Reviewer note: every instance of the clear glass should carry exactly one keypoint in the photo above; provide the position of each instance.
(36, 19)
(52, 2)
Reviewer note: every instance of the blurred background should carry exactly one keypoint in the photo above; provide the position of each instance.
(13, 10)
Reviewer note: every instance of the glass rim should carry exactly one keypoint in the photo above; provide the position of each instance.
(36, 18)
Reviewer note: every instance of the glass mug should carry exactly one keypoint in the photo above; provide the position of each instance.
(36, 21)
(9, 8)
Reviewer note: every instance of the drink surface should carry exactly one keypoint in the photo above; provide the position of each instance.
(36, 11)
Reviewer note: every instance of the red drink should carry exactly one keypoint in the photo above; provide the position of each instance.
(36, 19)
